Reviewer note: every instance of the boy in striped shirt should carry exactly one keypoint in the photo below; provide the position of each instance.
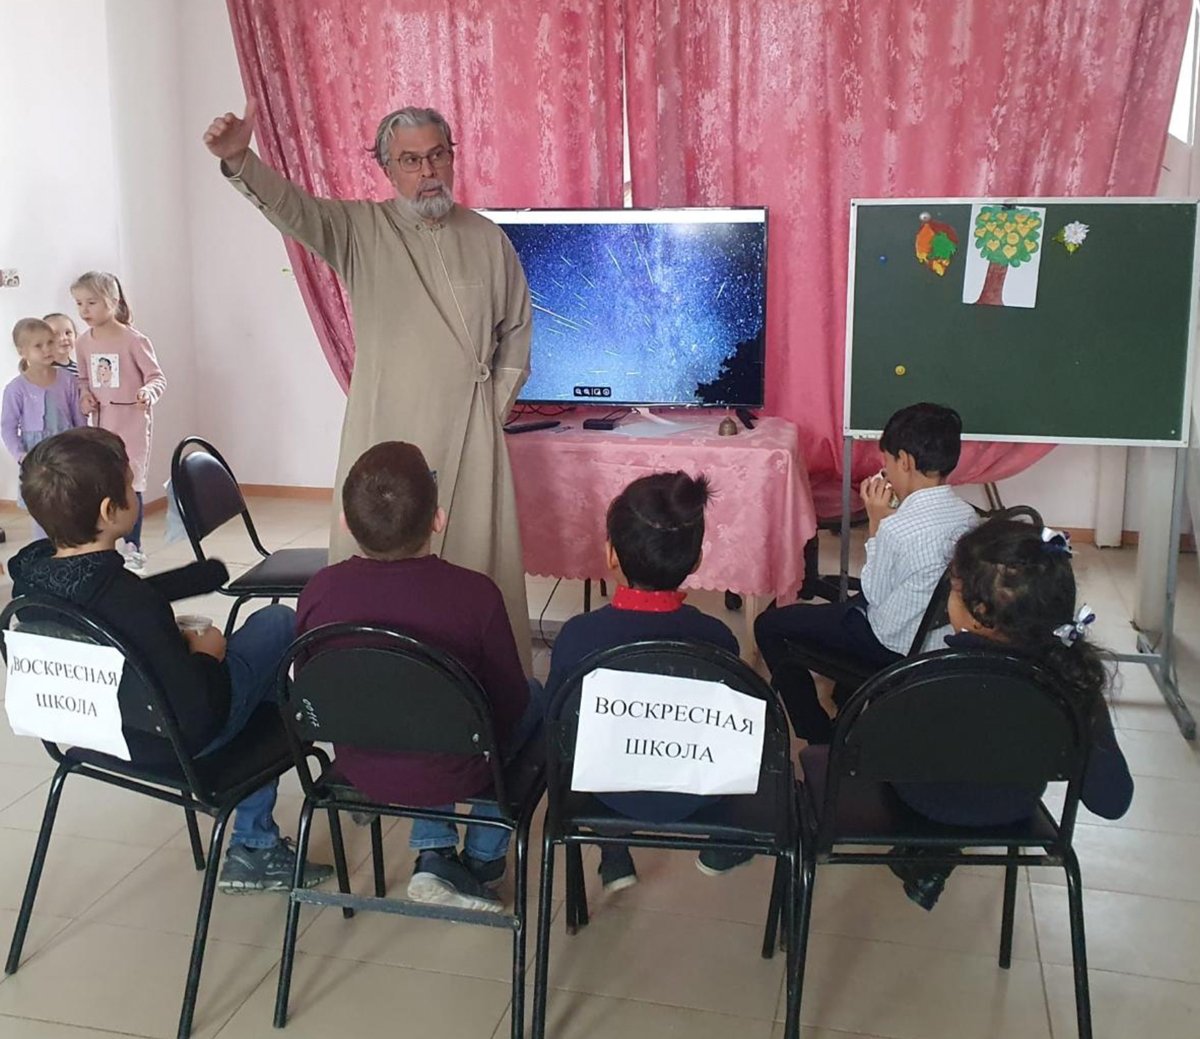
(908, 548)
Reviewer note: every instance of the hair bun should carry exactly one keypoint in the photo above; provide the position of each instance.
(689, 496)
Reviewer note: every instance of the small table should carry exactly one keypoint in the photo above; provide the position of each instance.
(756, 525)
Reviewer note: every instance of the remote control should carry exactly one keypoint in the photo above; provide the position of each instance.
(530, 427)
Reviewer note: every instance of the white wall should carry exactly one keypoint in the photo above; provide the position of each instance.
(59, 208)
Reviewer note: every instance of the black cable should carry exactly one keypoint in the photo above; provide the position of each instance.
(542, 615)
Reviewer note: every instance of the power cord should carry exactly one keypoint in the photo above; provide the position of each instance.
(542, 615)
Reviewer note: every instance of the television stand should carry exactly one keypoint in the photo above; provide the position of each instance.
(646, 413)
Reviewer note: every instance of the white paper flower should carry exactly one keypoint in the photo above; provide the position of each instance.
(1074, 233)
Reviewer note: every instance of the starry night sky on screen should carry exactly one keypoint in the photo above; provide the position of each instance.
(659, 313)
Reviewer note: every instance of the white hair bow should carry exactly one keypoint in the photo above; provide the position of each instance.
(1056, 541)
(1071, 633)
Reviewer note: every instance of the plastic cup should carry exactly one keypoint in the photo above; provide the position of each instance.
(194, 622)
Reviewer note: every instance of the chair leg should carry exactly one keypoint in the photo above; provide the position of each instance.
(292, 925)
(377, 857)
(194, 837)
(339, 858)
(791, 916)
(233, 615)
(1083, 999)
(802, 917)
(35, 869)
(774, 905)
(576, 889)
(203, 915)
(541, 972)
(1010, 904)
(520, 923)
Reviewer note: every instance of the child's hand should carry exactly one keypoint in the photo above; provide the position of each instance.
(876, 495)
(228, 137)
(209, 642)
(87, 403)
(143, 399)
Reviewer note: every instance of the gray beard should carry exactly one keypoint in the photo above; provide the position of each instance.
(434, 208)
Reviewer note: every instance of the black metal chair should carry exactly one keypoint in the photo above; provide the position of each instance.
(213, 784)
(208, 497)
(372, 687)
(952, 717)
(764, 823)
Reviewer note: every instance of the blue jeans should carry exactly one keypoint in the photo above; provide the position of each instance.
(484, 843)
(253, 654)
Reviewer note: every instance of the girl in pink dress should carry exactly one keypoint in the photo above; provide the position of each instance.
(118, 368)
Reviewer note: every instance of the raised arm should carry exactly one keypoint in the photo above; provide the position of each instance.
(321, 224)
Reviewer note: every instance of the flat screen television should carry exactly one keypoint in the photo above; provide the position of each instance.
(632, 307)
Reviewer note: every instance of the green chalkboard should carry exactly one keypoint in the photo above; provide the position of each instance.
(1101, 356)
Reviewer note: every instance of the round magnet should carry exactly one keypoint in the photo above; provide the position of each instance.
(900, 369)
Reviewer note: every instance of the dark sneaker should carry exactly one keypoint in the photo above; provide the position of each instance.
(717, 861)
(489, 872)
(363, 818)
(616, 869)
(440, 878)
(266, 869)
(922, 884)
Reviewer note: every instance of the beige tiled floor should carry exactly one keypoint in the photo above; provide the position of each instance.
(676, 956)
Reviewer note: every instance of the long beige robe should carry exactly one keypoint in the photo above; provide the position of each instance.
(442, 330)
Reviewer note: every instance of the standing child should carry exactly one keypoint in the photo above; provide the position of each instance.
(117, 365)
(41, 400)
(64, 343)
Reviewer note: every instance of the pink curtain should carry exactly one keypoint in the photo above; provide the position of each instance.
(532, 89)
(804, 105)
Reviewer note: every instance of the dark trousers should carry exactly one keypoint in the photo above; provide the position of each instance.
(840, 627)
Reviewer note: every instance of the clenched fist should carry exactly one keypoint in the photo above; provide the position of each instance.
(228, 137)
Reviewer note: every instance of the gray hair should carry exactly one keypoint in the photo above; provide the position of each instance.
(410, 118)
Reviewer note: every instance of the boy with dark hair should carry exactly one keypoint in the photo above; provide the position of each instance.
(909, 546)
(79, 487)
(655, 533)
(390, 506)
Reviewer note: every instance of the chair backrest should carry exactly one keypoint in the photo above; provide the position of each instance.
(960, 717)
(207, 492)
(380, 689)
(679, 658)
(935, 616)
(141, 697)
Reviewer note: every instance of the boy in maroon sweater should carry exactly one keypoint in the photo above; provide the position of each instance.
(389, 504)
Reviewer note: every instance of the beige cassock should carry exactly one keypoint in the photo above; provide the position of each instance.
(441, 329)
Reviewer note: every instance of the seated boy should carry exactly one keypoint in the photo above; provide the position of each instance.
(655, 534)
(390, 506)
(79, 488)
(908, 549)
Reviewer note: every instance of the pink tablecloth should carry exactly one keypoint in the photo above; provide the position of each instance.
(756, 525)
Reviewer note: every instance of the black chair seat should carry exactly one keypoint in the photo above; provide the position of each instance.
(287, 570)
(872, 813)
(736, 817)
(260, 748)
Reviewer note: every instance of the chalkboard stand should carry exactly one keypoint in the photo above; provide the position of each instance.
(1156, 654)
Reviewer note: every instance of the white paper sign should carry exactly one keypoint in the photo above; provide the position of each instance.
(667, 734)
(65, 692)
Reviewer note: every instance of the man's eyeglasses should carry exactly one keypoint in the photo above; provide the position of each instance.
(438, 159)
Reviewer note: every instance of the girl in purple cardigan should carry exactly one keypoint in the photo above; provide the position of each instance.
(42, 400)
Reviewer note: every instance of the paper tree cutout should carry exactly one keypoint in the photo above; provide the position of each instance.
(935, 244)
(1005, 238)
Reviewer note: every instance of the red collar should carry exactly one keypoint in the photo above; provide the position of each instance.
(640, 601)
